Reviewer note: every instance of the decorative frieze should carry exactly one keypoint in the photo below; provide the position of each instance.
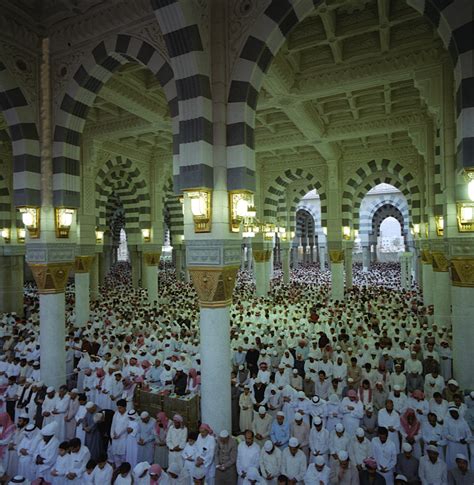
(152, 259)
(336, 255)
(462, 271)
(440, 262)
(261, 255)
(83, 264)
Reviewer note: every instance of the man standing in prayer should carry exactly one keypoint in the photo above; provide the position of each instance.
(118, 433)
(293, 463)
(248, 455)
(343, 472)
(225, 459)
(432, 470)
(46, 452)
(385, 454)
(176, 440)
(262, 423)
(145, 437)
(270, 462)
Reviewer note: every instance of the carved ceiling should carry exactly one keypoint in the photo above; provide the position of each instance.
(342, 86)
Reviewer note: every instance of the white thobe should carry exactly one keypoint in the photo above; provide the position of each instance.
(146, 433)
(454, 431)
(60, 410)
(131, 447)
(49, 452)
(358, 451)
(247, 457)
(77, 465)
(385, 455)
(313, 476)
(270, 465)
(48, 407)
(118, 433)
(351, 418)
(432, 473)
(26, 463)
(318, 443)
(101, 476)
(205, 450)
(61, 468)
(176, 437)
(80, 415)
(293, 467)
(387, 420)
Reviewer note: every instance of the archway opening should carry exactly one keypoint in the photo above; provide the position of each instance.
(390, 239)
(122, 250)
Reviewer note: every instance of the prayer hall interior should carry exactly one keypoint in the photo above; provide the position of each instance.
(236, 242)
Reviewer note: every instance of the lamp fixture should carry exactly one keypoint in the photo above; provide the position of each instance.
(146, 234)
(325, 231)
(346, 232)
(6, 235)
(201, 209)
(63, 218)
(99, 236)
(465, 216)
(31, 219)
(470, 190)
(239, 204)
(21, 234)
(416, 229)
(439, 222)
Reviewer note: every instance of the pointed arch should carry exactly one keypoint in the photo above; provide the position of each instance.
(387, 210)
(276, 195)
(96, 69)
(362, 219)
(172, 211)
(376, 172)
(452, 19)
(21, 122)
(121, 178)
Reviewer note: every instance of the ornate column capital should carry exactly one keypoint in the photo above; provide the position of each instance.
(462, 271)
(336, 255)
(51, 278)
(440, 262)
(426, 257)
(214, 285)
(262, 255)
(83, 264)
(152, 259)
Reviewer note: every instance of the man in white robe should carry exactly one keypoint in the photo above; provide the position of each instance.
(385, 454)
(261, 424)
(131, 447)
(26, 450)
(59, 412)
(317, 472)
(46, 452)
(146, 437)
(248, 455)
(78, 458)
(359, 449)
(48, 407)
(293, 462)
(457, 435)
(390, 419)
(432, 469)
(118, 433)
(270, 462)
(318, 440)
(205, 447)
(176, 438)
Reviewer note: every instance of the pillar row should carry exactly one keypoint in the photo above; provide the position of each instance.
(82, 267)
(441, 289)
(262, 259)
(151, 262)
(462, 298)
(51, 279)
(336, 257)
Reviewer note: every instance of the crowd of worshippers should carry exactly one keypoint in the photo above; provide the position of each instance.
(323, 392)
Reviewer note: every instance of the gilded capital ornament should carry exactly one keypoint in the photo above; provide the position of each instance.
(426, 257)
(440, 262)
(152, 259)
(83, 264)
(462, 271)
(51, 278)
(261, 255)
(336, 255)
(214, 285)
